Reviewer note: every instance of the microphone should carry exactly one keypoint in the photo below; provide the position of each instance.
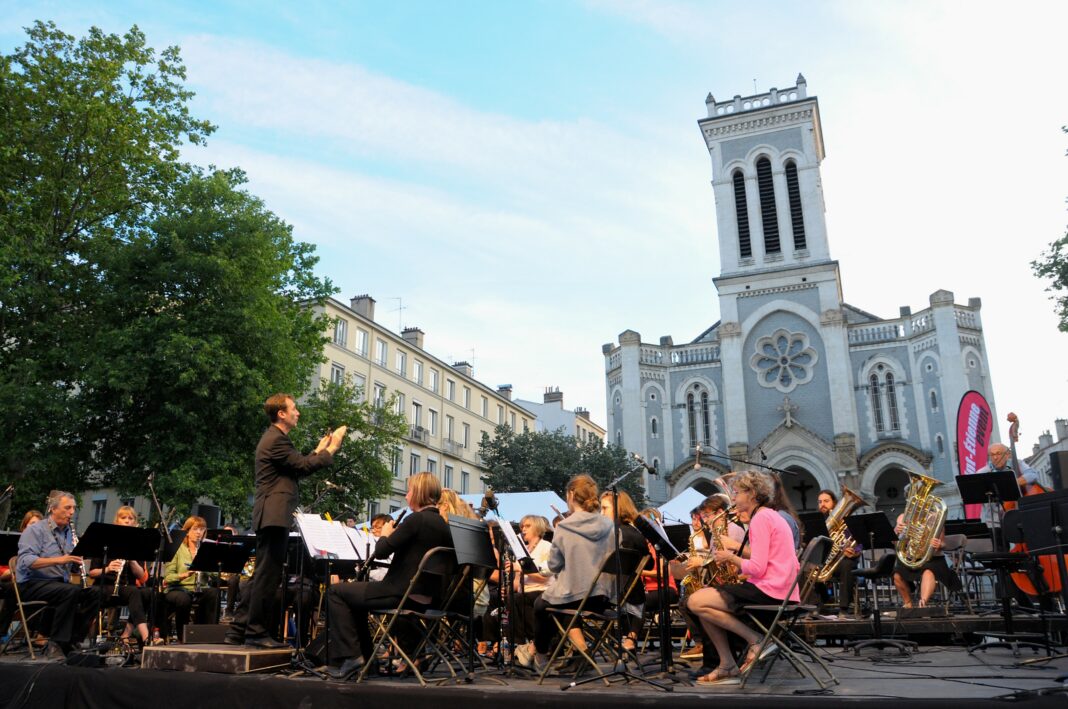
(650, 469)
(489, 502)
(335, 486)
(763, 456)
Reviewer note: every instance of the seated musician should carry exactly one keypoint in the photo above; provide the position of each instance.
(649, 580)
(182, 586)
(378, 571)
(581, 543)
(529, 587)
(770, 569)
(349, 603)
(131, 575)
(43, 574)
(826, 502)
(999, 458)
(927, 576)
(630, 538)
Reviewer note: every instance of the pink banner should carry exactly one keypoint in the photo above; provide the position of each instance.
(974, 425)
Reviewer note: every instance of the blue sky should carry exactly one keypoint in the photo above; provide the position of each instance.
(529, 178)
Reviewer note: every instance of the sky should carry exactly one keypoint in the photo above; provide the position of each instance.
(526, 180)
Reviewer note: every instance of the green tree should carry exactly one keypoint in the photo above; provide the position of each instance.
(362, 466)
(147, 307)
(531, 461)
(1054, 265)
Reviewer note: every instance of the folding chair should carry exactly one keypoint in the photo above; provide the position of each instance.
(786, 614)
(628, 564)
(439, 563)
(37, 606)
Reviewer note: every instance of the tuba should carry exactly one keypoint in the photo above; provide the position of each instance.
(924, 517)
(839, 533)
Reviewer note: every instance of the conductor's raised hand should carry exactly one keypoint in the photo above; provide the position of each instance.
(337, 438)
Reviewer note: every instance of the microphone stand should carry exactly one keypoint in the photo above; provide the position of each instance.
(744, 461)
(619, 665)
(164, 540)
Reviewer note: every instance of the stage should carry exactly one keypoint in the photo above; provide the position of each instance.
(932, 676)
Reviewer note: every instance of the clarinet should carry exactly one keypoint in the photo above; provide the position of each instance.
(118, 577)
(84, 575)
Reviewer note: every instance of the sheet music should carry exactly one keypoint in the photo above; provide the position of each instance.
(325, 538)
(655, 524)
(362, 540)
(518, 548)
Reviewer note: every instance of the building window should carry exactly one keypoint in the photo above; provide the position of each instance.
(769, 216)
(372, 509)
(500, 415)
(485, 408)
(526, 425)
(450, 423)
(432, 421)
(619, 438)
(467, 436)
(417, 414)
(381, 352)
(465, 477)
(891, 402)
(705, 437)
(511, 420)
(934, 401)
(127, 501)
(402, 363)
(361, 342)
(360, 382)
(100, 510)
(467, 398)
(395, 461)
(446, 480)
(417, 371)
(380, 395)
(797, 218)
(434, 380)
(450, 390)
(400, 404)
(413, 464)
(341, 332)
(741, 211)
(691, 419)
(941, 445)
(652, 428)
(431, 465)
(337, 374)
(876, 402)
(656, 464)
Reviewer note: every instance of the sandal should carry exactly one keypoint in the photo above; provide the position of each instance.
(720, 675)
(752, 656)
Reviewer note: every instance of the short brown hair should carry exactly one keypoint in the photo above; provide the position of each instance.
(759, 485)
(585, 491)
(425, 488)
(28, 518)
(539, 523)
(275, 404)
(627, 511)
(714, 503)
(194, 521)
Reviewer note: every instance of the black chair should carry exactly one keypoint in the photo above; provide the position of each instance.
(780, 631)
(36, 608)
(883, 569)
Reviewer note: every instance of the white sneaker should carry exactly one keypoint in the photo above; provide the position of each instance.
(523, 656)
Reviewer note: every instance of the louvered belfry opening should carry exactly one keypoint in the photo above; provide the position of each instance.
(797, 218)
(769, 217)
(741, 208)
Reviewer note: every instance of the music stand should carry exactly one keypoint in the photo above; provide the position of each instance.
(9, 545)
(875, 529)
(813, 524)
(991, 489)
(660, 539)
(473, 547)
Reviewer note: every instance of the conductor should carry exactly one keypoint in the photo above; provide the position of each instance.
(278, 467)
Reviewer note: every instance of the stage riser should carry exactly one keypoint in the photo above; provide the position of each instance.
(221, 659)
(936, 629)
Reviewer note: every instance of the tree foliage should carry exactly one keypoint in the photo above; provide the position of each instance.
(362, 465)
(531, 461)
(147, 307)
(1053, 265)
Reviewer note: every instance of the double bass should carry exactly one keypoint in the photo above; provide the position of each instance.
(1047, 564)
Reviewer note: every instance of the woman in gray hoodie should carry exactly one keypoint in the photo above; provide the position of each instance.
(581, 543)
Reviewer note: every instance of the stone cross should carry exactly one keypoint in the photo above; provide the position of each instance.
(789, 408)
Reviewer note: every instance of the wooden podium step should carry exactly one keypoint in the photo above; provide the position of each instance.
(224, 659)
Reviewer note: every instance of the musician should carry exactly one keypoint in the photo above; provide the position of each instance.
(630, 538)
(826, 502)
(999, 458)
(378, 569)
(181, 584)
(376, 524)
(278, 467)
(581, 543)
(771, 570)
(43, 574)
(935, 570)
(129, 575)
(530, 586)
(349, 603)
(781, 504)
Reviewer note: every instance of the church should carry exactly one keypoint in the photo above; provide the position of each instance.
(792, 376)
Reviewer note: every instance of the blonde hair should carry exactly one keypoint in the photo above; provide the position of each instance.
(130, 510)
(538, 523)
(425, 489)
(584, 490)
(452, 505)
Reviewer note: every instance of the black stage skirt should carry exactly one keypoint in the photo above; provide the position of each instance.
(745, 594)
(936, 565)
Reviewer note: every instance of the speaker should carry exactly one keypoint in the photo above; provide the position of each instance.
(202, 634)
(211, 514)
(317, 649)
(1058, 468)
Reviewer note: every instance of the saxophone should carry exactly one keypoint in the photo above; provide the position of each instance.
(694, 580)
(839, 533)
(924, 517)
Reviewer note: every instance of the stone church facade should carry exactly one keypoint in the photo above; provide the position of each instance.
(792, 376)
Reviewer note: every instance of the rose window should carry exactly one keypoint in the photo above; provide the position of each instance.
(783, 360)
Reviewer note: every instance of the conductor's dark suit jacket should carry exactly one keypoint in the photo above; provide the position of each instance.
(278, 466)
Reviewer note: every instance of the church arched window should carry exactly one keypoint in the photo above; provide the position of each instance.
(797, 217)
(691, 418)
(941, 444)
(652, 427)
(769, 216)
(891, 402)
(741, 211)
(934, 401)
(876, 401)
(705, 425)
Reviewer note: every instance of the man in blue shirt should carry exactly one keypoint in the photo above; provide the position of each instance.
(43, 573)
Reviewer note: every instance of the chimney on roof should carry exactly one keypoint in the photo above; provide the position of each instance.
(464, 368)
(582, 413)
(505, 390)
(553, 394)
(413, 336)
(364, 305)
(1062, 429)
(1045, 440)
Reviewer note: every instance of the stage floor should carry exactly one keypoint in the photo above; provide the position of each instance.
(932, 676)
